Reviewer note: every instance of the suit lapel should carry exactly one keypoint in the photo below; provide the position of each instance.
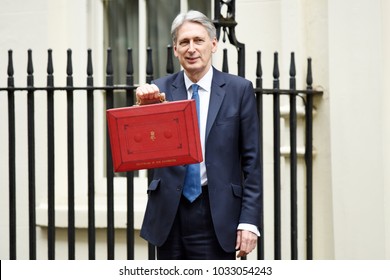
(216, 98)
(179, 91)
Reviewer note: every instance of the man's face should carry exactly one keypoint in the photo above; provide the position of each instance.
(194, 49)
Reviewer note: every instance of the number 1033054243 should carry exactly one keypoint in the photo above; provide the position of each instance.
(243, 270)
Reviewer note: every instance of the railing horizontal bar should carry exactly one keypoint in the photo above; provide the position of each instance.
(257, 90)
(287, 91)
(118, 87)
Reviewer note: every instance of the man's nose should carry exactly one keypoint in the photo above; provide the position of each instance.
(191, 47)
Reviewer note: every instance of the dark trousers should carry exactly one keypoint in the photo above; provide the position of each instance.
(192, 236)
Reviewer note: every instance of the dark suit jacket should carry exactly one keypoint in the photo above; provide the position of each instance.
(231, 157)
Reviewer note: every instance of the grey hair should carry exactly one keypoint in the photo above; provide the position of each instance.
(192, 16)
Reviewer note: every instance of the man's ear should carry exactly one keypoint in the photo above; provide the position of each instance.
(215, 45)
(175, 51)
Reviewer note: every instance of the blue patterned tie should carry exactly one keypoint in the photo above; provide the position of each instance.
(192, 186)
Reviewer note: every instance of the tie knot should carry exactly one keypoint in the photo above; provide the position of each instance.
(195, 88)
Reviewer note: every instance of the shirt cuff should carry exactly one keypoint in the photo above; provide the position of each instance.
(249, 227)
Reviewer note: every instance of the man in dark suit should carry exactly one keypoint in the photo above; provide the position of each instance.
(225, 216)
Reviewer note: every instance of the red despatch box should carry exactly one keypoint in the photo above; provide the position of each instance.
(152, 136)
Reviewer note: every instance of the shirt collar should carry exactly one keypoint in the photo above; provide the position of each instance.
(204, 83)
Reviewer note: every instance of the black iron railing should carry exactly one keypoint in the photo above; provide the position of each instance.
(109, 88)
(307, 95)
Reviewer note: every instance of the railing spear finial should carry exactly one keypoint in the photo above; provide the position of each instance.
(10, 69)
(30, 69)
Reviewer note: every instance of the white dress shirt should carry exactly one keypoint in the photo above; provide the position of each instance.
(204, 100)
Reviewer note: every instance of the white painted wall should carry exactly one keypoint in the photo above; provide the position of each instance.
(357, 98)
(385, 7)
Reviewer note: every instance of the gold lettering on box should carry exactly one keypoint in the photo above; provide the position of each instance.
(152, 135)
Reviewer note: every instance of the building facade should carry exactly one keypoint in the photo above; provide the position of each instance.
(349, 43)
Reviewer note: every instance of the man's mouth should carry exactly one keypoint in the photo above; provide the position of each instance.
(192, 59)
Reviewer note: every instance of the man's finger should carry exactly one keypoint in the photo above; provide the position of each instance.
(238, 240)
